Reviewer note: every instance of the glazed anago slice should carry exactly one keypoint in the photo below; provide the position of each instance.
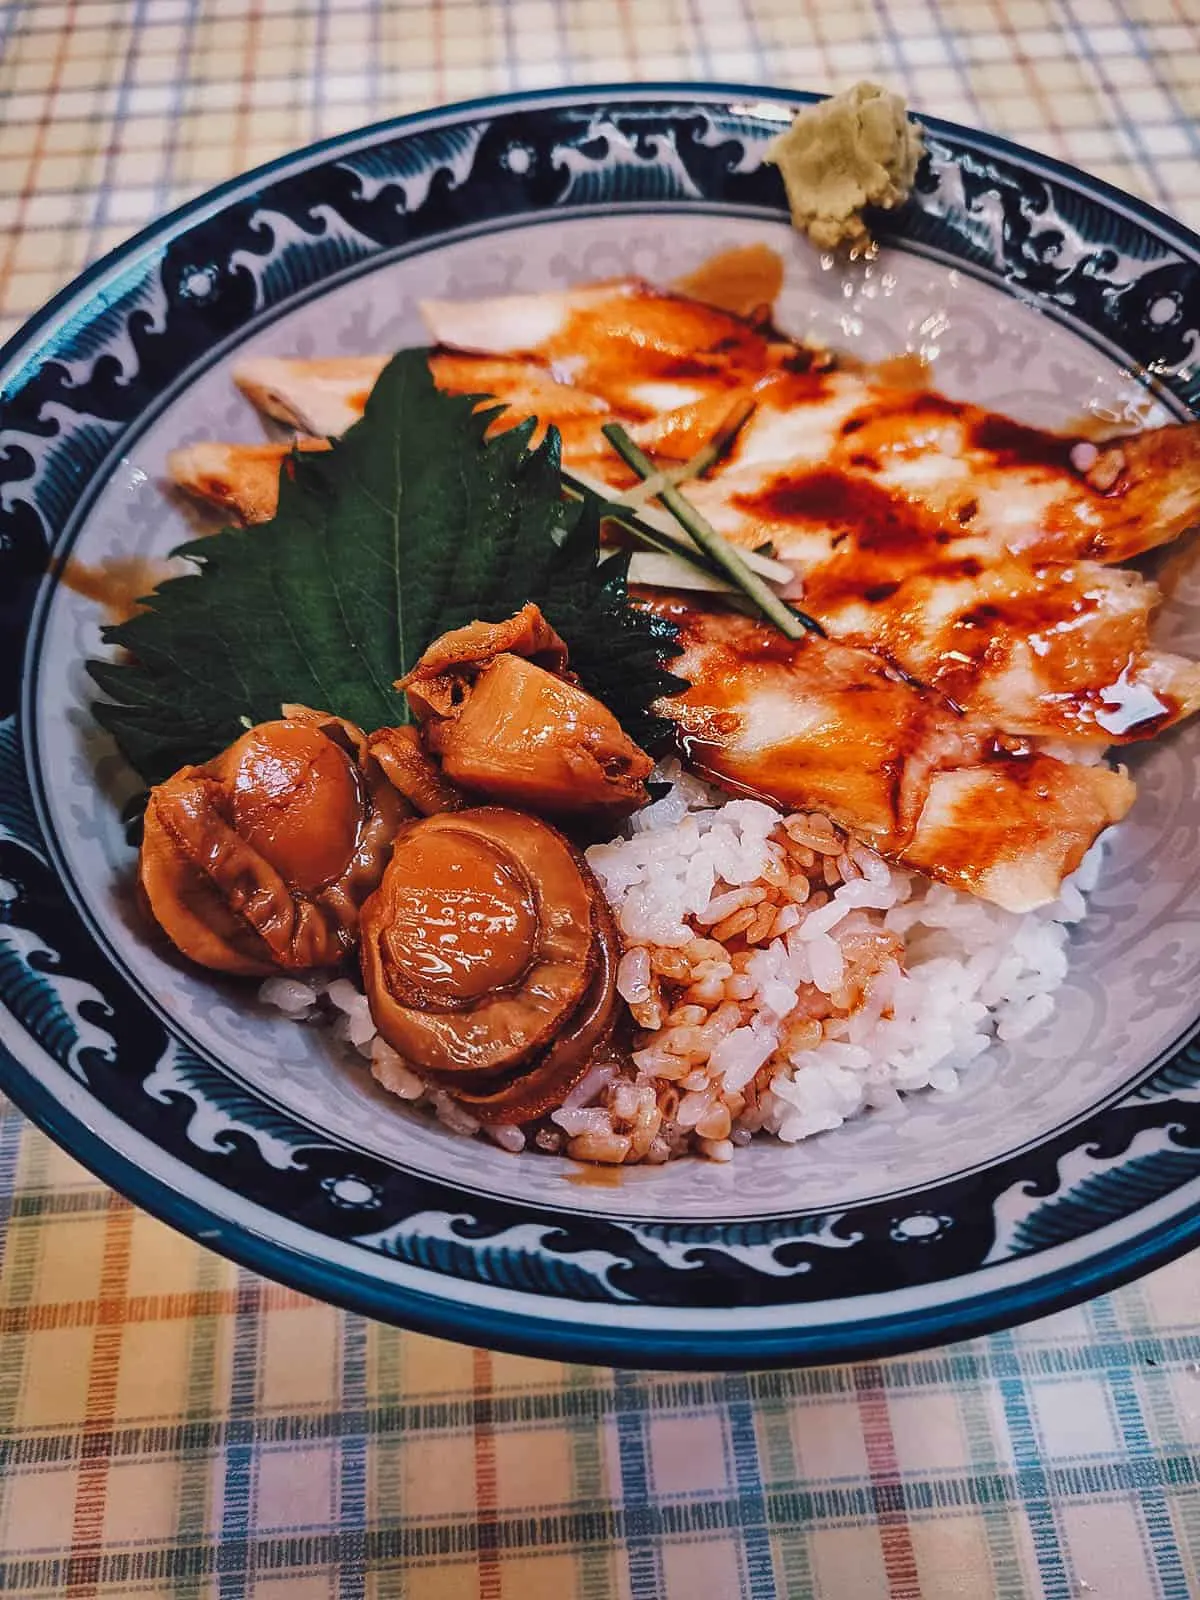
(815, 725)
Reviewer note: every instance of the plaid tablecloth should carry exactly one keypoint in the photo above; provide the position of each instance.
(172, 1426)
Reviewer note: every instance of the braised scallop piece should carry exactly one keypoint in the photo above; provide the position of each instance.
(540, 1086)
(435, 684)
(480, 942)
(411, 772)
(528, 738)
(260, 859)
(506, 721)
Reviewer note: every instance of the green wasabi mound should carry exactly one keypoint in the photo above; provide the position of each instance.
(857, 149)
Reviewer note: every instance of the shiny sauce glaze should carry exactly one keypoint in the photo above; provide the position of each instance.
(1015, 444)
(296, 798)
(875, 537)
(805, 724)
(464, 917)
(918, 583)
(817, 725)
(745, 281)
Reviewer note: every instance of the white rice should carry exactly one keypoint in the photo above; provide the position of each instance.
(966, 971)
(781, 979)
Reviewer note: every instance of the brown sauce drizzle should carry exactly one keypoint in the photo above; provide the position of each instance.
(792, 386)
(745, 281)
(879, 537)
(118, 584)
(908, 370)
(925, 404)
(1015, 444)
(596, 1176)
(868, 511)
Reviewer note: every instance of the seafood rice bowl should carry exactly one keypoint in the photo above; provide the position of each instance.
(580, 687)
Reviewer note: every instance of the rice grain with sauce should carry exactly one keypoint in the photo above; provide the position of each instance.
(780, 979)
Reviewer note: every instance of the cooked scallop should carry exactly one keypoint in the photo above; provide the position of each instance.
(260, 859)
(507, 720)
(480, 944)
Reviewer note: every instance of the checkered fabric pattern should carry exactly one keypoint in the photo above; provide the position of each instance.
(112, 111)
(172, 1426)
